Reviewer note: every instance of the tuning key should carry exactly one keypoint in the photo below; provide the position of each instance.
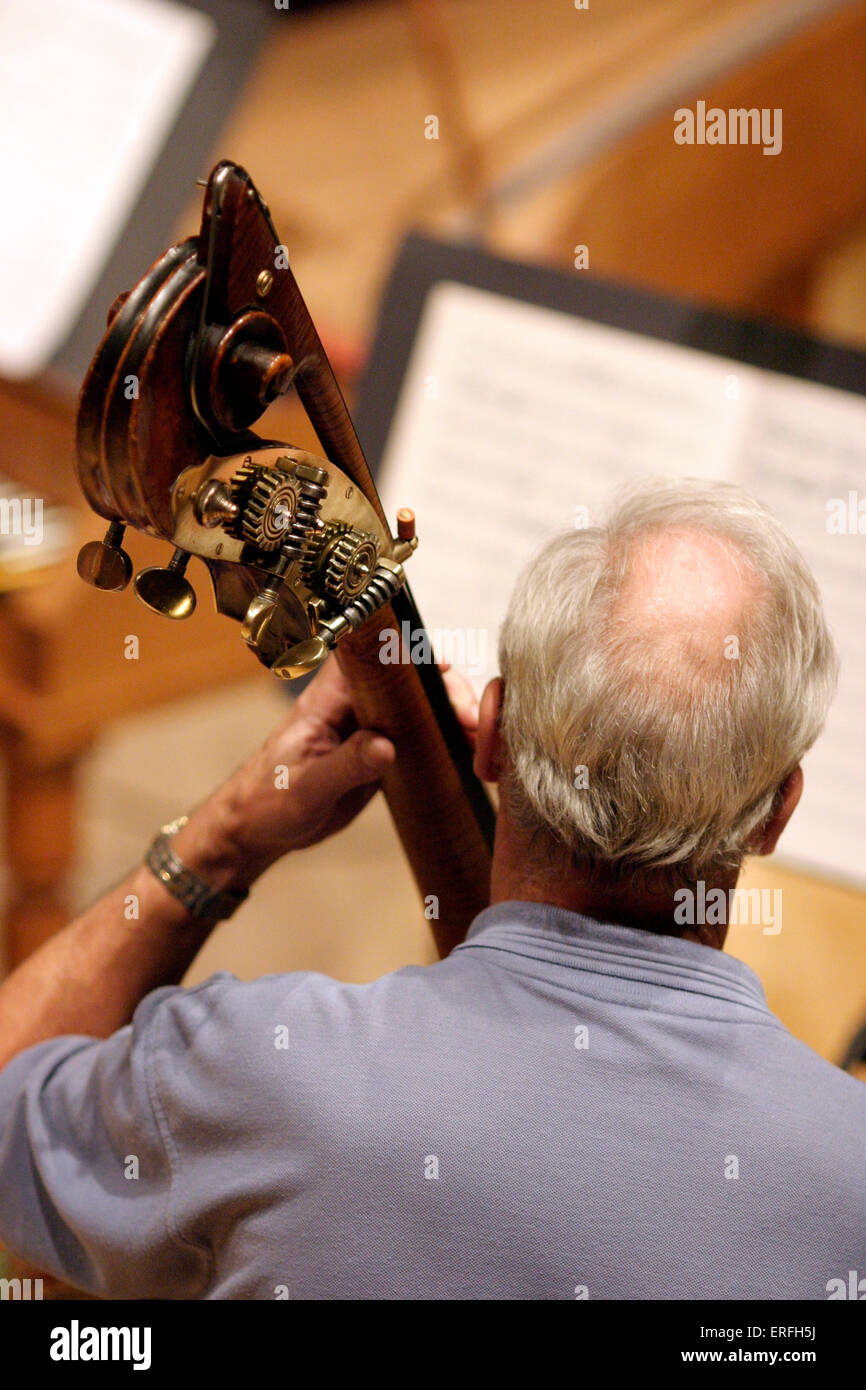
(105, 564)
(167, 591)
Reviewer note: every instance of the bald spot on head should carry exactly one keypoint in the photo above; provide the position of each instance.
(684, 595)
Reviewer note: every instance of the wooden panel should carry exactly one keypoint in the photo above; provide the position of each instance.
(729, 224)
(813, 969)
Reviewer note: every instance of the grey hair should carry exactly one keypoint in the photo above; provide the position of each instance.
(685, 752)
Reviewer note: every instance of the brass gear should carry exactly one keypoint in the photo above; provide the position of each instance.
(313, 561)
(267, 499)
(349, 564)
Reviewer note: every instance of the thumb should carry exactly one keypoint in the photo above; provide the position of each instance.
(360, 759)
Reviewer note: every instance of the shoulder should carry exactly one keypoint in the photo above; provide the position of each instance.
(230, 1064)
(249, 1007)
(812, 1111)
(833, 1089)
(229, 1028)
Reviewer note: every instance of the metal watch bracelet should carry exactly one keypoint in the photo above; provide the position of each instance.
(198, 897)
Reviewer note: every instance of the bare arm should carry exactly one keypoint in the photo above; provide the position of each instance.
(90, 978)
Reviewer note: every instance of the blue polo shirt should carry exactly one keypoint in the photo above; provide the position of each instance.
(563, 1108)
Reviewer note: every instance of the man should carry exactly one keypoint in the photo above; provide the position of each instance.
(587, 1098)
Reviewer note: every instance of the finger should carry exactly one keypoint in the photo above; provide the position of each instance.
(362, 758)
(463, 698)
(328, 699)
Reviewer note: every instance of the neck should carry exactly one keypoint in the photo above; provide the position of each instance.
(526, 871)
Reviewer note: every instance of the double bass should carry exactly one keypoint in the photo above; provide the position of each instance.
(298, 547)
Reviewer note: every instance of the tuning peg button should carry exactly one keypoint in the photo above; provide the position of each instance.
(166, 591)
(301, 659)
(105, 564)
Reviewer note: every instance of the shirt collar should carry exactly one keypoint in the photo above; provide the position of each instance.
(607, 953)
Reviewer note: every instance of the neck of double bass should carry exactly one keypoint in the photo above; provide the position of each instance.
(441, 812)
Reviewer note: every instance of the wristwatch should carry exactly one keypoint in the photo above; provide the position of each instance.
(198, 897)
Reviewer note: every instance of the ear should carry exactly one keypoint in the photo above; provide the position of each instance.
(487, 763)
(766, 838)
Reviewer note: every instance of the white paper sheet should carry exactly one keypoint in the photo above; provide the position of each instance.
(512, 417)
(89, 90)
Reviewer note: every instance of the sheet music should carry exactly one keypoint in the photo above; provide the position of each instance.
(89, 90)
(516, 421)
(805, 446)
